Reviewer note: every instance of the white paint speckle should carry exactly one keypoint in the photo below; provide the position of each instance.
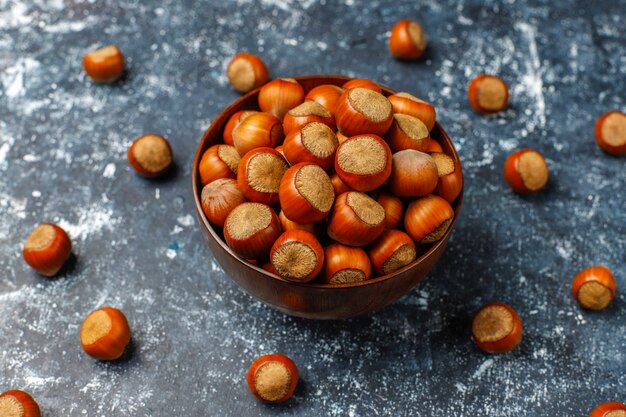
(483, 368)
(186, 220)
(13, 77)
(90, 220)
(109, 171)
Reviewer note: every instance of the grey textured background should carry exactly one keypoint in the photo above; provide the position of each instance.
(63, 144)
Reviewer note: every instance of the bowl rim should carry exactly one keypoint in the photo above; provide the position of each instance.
(196, 185)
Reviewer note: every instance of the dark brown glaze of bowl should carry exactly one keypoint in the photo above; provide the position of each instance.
(312, 300)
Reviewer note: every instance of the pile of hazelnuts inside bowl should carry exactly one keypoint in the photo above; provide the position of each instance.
(338, 184)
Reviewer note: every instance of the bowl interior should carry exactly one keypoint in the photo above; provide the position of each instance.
(213, 135)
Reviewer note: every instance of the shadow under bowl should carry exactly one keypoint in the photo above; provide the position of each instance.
(313, 300)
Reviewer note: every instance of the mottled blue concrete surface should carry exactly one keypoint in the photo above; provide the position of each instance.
(138, 247)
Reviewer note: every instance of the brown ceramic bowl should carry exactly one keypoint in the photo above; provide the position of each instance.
(312, 300)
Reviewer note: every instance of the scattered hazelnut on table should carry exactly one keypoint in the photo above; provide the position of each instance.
(610, 409)
(150, 155)
(610, 132)
(497, 328)
(273, 378)
(488, 94)
(408, 40)
(526, 171)
(246, 72)
(594, 288)
(105, 334)
(104, 65)
(17, 403)
(47, 249)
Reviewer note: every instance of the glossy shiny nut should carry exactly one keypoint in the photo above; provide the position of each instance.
(279, 96)
(610, 409)
(232, 123)
(246, 72)
(288, 225)
(341, 138)
(594, 288)
(150, 155)
(497, 328)
(104, 65)
(362, 83)
(394, 209)
(251, 229)
(273, 378)
(488, 94)
(256, 131)
(219, 198)
(105, 334)
(428, 218)
(16, 403)
(339, 186)
(269, 268)
(297, 256)
(356, 219)
(259, 174)
(219, 161)
(450, 181)
(326, 95)
(307, 112)
(363, 111)
(405, 103)
(413, 174)
(392, 251)
(47, 249)
(526, 171)
(434, 146)
(408, 132)
(314, 142)
(610, 132)
(407, 40)
(363, 162)
(306, 193)
(345, 265)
